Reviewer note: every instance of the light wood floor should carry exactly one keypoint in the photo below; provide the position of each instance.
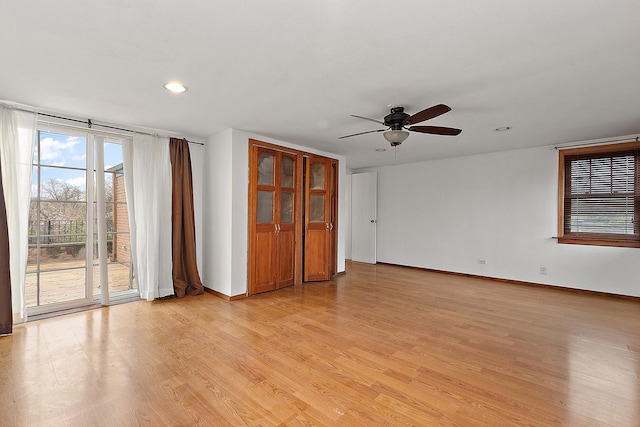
(381, 345)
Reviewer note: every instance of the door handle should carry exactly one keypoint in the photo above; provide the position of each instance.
(373, 221)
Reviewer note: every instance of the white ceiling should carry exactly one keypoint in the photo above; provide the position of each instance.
(555, 71)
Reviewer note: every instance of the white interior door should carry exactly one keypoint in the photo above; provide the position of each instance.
(364, 191)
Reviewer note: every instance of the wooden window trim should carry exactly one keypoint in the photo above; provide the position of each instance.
(629, 241)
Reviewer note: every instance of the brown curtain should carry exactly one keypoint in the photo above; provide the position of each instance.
(6, 316)
(186, 280)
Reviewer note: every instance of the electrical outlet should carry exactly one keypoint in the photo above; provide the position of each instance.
(543, 270)
(482, 261)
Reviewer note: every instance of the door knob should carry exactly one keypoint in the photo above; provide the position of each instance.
(373, 221)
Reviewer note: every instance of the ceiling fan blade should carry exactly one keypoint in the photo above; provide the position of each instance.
(367, 118)
(362, 133)
(436, 130)
(427, 114)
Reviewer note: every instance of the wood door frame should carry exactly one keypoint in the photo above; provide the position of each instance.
(298, 201)
(333, 261)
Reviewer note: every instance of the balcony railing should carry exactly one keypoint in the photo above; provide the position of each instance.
(52, 231)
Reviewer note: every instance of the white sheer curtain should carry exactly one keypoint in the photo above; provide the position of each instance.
(147, 174)
(17, 134)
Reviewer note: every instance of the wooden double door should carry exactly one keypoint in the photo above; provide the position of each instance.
(292, 225)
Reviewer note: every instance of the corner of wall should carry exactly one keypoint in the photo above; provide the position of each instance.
(217, 214)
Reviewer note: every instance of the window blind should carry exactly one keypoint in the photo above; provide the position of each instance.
(601, 195)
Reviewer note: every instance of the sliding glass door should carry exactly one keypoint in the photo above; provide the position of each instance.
(78, 222)
(116, 214)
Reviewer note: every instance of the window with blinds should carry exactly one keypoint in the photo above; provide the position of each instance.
(600, 195)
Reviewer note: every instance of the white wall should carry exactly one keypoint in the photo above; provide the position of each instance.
(347, 222)
(225, 213)
(501, 207)
(217, 213)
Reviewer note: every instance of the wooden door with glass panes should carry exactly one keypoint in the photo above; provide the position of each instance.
(317, 219)
(286, 234)
(273, 214)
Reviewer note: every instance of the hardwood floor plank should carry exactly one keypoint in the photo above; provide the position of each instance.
(380, 345)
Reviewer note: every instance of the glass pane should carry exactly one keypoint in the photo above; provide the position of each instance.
(316, 208)
(286, 208)
(55, 286)
(118, 276)
(603, 215)
(316, 179)
(118, 241)
(265, 168)
(36, 143)
(265, 207)
(96, 253)
(56, 264)
(117, 221)
(61, 275)
(33, 223)
(31, 289)
(62, 185)
(287, 172)
(62, 150)
(54, 256)
(57, 231)
(34, 183)
(602, 175)
(113, 157)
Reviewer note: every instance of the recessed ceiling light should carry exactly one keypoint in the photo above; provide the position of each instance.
(175, 87)
(502, 129)
(380, 150)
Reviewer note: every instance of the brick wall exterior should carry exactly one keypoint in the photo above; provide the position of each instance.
(121, 243)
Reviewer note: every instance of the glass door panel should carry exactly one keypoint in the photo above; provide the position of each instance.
(265, 168)
(316, 207)
(117, 221)
(288, 168)
(63, 268)
(119, 273)
(56, 264)
(286, 208)
(317, 172)
(265, 207)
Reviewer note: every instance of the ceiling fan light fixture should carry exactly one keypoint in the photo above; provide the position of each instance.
(396, 137)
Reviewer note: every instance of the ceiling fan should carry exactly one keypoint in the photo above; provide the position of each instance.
(399, 124)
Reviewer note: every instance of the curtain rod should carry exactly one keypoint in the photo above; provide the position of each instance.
(586, 144)
(89, 123)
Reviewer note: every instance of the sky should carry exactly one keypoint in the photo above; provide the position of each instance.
(68, 151)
